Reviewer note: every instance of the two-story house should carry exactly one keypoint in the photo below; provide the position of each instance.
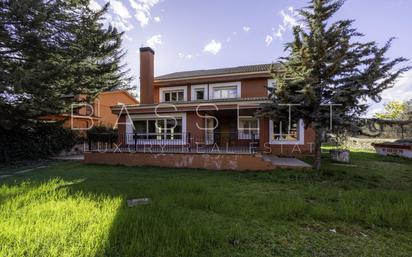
(203, 113)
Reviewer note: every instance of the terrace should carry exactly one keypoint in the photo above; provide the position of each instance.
(240, 142)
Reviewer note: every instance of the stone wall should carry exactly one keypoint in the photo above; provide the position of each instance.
(365, 143)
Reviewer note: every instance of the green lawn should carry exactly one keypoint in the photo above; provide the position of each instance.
(71, 209)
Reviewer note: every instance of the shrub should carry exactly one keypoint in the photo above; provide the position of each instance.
(102, 134)
(42, 140)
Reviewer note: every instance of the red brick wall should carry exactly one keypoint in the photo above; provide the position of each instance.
(239, 162)
(254, 87)
(192, 121)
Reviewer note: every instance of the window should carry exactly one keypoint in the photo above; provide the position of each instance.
(225, 92)
(283, 132)
(173, 129)
(173, 96)
(158, 129)
(248, 128)
(199, 94)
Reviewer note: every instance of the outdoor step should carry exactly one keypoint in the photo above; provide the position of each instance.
(285, 162)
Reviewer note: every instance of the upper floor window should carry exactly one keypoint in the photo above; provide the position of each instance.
(199, 94)
(173, 96)
(225, 92)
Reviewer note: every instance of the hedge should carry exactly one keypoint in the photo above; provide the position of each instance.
(38, 142)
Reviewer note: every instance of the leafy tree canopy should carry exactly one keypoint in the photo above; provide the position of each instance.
(395, 110)
(51, 49)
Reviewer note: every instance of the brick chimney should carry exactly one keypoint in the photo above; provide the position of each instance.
(146, 75)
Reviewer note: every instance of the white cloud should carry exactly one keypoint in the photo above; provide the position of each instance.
(119, 16)
(156, 19)
(127, 37)
(118, 22)
(213, 47)
(143, 10)
(120, 9)
(246, 28)
(268, 40)
(185, 56)
(142, 18)
(401, 91)
(289, 20)
(154, 41)
(93, 5)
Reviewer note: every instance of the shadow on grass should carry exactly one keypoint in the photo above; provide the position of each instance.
(205, 213)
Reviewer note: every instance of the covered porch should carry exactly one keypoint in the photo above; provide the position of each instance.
(205, 131)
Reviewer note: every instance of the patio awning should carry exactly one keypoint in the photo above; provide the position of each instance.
(187, 106)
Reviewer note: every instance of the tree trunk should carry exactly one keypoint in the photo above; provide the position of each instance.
(318, 151)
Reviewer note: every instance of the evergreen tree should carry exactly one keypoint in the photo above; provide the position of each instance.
(49, 49)
(326, 65)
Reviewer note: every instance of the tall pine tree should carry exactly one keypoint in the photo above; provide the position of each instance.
(49, 49)
(327, 65)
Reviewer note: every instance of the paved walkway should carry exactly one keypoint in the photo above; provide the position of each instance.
(286, 162)
(70, 158)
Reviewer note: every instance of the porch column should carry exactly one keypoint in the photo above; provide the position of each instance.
(263, 133)
(121, 131)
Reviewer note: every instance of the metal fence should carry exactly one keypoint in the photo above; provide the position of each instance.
(210, 142)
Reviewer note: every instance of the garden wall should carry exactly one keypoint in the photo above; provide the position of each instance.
(240, 162)
(365, 143)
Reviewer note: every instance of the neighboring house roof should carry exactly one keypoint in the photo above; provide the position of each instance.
(121, 91)
(259, 68)
(115, 91)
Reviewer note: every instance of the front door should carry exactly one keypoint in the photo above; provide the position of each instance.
(225, 134)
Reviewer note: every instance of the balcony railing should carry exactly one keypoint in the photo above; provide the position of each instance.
(212, 142)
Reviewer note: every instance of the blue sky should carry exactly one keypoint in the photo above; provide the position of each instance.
(204, 34)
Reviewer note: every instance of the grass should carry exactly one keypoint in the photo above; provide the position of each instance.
(72, 209)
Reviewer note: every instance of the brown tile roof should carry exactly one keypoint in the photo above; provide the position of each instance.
(211, 72)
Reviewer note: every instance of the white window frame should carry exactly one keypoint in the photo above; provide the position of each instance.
(236, 84)
(245, 136)
(301, 131)
(194, 89)
(129, 129)
(163, 90)
(270, 84)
